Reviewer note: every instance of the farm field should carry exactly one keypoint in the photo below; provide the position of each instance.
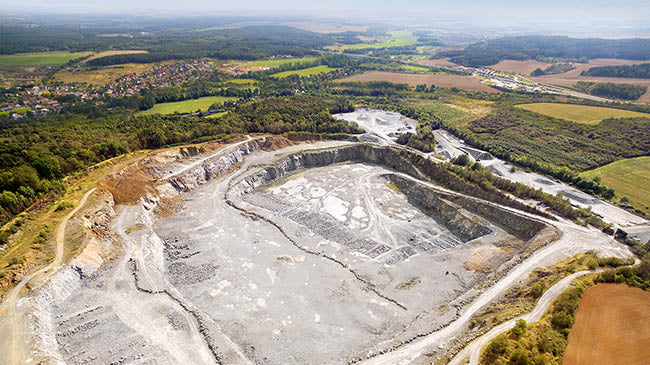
(461, 82)
(305, 71)
(278, 62)
(414, 68)
(397, 39)
(437, 62)
(628, 177)
(40, 59)
(521, 67)
(101, 76)
(579, 113)
(186, 106)
(115, 52)
(612, 326)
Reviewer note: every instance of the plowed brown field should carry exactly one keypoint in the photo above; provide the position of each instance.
(612, 327)
(461, 82)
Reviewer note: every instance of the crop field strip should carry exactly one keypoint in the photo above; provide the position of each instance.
(580, 113)
(39, 59)
(305, 71)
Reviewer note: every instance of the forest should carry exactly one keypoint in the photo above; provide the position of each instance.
(246, 43)
(612, 90)
(641, 71)
(549, 47)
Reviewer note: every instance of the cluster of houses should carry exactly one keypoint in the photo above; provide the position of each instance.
(38, 99)
(159, 76)
(33, 100)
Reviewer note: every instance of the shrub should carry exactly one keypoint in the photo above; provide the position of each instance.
(64, 205)
(461, 160)
(519, 357)
(561, 320)
(519, 329)
(537, 290)
(498, 346)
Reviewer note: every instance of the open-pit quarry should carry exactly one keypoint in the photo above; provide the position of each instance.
(278, 251)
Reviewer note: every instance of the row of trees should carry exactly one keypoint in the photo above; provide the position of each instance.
(556, 68)
(612, 90)
(641, 71)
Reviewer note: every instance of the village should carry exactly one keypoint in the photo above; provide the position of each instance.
(37, 100)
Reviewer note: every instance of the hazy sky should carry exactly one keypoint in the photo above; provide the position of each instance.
(513, 11)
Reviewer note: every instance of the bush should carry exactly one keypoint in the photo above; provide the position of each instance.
(64, 205)
(462, 160)
(497, 347)
(519, 357)
(537, 290)
(519, 329)
(561, 320)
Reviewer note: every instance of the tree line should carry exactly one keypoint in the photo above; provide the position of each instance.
(641, 71)
(612, 90)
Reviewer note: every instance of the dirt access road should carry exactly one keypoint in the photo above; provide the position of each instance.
(473, 350)
(17, 353)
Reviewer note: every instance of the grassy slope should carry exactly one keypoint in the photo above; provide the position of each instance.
(305, 71)
(579, 113)
(39, 59)
(629, 178)
(186, 106)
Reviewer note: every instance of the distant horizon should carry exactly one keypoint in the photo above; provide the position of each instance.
(502, 12)
(444, 24)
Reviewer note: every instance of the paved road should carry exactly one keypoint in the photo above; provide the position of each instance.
(17, 353)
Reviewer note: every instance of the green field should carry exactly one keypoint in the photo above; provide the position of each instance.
(280, 62)
(242, 81)
(414, 68)
(186, 106)
(305, 71)
(580, 113)
(628, 177)
(17, 111)
(397, 39)
(39, 59)
(216, 115)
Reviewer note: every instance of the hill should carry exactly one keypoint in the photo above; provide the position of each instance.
(549, 47)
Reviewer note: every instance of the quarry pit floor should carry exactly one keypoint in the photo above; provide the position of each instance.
(323, 265)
